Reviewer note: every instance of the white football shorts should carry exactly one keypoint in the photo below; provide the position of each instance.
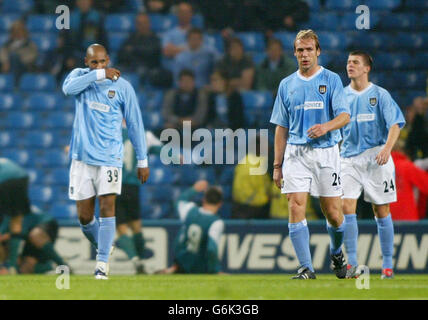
(363, 173)
(87, 181)
(313, 170)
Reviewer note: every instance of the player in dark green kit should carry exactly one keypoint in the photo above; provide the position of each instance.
(128, 203)
(196, 247)
(14, 205)
(39, 231)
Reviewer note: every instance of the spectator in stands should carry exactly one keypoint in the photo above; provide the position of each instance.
(280, 15)
(141, 52)
(250, 192)
(274, 68)
(157, 6)
(417, 140)
(18, 55)
(196, 57)
(407, 177)
(185, 103)
(86, 28)
(237, 67)
(225, 106)
(174, 40)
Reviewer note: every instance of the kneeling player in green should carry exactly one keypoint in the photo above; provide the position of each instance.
(39, 230)
(196, 247)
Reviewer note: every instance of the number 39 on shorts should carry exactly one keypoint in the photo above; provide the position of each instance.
(112, 175)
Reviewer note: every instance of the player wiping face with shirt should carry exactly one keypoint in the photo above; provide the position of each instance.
(102, 100)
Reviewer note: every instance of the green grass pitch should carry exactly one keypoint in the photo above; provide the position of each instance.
(211, 287)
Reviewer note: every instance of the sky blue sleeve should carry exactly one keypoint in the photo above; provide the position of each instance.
(78, 80)
(338, 98)
(391, 111)
(134, 122)
(280, 111)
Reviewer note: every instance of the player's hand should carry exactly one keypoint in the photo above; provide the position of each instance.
(277, 177)
(317, 131)
(143, 174)
(201, 185)
(383, 156)
(112, 74)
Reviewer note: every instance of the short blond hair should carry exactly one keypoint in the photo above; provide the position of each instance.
(307, 34)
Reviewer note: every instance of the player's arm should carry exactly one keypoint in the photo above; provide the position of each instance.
(319, 130)
(383, 156)
(134, 123)
(184, 202)
(281, 135)
(79, 79)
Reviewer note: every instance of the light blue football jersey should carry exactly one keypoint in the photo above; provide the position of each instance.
(303, 102)
(100, 107)
(373, 112)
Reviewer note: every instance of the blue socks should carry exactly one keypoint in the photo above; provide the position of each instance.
(351, 238)
(299, 235)
(336, 237)
(385, 229)
(91, 231)
(105, 238)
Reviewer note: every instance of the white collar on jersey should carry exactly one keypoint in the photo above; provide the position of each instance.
(362, 91)
(312, 76)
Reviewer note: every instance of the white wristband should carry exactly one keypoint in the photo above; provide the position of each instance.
(101, 74)
(143, 163)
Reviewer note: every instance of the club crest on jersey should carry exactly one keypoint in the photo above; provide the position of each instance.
(373, 101)
(322, 88)
(111, 94)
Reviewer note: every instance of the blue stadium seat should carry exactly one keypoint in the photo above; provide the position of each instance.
(115, 39)
(252, 41)
(384, 4)
(226, 176)
(17, 6)
(20, 156)
(36, 175)
(416, 4)
(3, 38)
(257, 99)
(413, 80)
(7, 82)
(161, 23)
(59, 119)
(37, 139)
(44, 101)
(198, 21)
(133, 78)
(341, 4)
(120, 22)
(41, 23)
(154, 100)
(45, 41)
(214, 41)
(189, 174)
(227, 191)
(258, 57)
(63, 210)
(40, 193)
(21, 120)
(10, 101)
(323, 21)
(37, 82)
(6, 21)
(58, 176)
(314, 5)
(156, 211)
(7, 139)
(398, 21)
(161, 175)
(153, 120)
(225, 211)
(332, 40)
(420, 58)
(286, 38)
(54, 158)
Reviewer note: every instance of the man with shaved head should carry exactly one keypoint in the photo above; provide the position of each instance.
(102, 99)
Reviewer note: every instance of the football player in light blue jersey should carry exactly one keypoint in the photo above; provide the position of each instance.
(309, 110)
(367, 165)
(102, 100)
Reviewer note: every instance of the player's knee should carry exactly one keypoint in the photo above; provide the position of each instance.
(36, 237)
(85, 217)
(381, 211)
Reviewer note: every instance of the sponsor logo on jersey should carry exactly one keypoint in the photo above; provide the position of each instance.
(111, 94)
(322, 88)
(99, 106)
(373, 101)
(365, 117)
